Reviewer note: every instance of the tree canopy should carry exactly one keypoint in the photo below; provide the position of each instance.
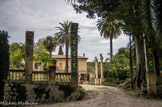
(17, 55)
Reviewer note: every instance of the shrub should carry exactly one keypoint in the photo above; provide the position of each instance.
(4, 60)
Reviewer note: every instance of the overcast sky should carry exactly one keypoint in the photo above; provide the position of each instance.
(42, 16)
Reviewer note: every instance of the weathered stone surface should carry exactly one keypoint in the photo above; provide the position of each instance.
(151, 83)
(96, 68)
(39, 93)
(29, 45)
(76, 95)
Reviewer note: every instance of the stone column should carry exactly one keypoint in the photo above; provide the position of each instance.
(151, 80)
(29, 42)
(150, 68)
(151, 84)
(101, 66)
(96, 68)
(52, 72)
(74, 55)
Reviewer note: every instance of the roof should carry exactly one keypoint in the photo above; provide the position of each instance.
(63, 57)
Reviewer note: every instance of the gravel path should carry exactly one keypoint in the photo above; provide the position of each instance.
(105, 96)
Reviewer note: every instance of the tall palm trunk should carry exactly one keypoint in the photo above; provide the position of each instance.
(140, 62)
(67, 49)
(111, 48)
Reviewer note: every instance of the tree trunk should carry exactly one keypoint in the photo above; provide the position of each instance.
(67, 49)
(111, 49)
(50, 55)
(131, 65)
(140, 62)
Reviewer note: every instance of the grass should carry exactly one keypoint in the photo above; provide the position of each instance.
(116, 86)
(58, 106)
(102, 87)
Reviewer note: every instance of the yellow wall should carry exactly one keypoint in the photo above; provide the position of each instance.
(61, 63)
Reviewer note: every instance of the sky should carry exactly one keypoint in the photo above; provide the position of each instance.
(42, 16)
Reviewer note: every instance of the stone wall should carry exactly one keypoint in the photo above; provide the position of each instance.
(41, 93)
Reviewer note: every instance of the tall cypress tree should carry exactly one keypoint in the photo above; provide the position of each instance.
(4, 61)
(60, 52)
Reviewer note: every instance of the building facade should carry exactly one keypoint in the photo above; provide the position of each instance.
(82, 66)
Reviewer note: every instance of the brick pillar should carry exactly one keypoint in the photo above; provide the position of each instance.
(29, 43)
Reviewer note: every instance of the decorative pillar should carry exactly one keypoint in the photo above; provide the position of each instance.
(96, 68)
(74, 55)
(52, 71)
(29, 44)
(150, 68)
(101, 66)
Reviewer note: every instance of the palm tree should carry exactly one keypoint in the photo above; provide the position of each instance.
(50, 44)
(109, 29)
(151, 13)
(64, 36)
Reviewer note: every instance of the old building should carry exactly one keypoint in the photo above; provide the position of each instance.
(82, 65)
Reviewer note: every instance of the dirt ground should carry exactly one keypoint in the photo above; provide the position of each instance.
(106, 96)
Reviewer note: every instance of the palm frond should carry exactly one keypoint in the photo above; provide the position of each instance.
(64, 32)
(149, 15)
(109, 28)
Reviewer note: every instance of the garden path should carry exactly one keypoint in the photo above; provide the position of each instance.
(106, 96)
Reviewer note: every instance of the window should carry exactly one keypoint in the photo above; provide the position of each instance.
(60, 67)
(36, 65)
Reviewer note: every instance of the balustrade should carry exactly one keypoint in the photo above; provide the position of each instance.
(38, 76)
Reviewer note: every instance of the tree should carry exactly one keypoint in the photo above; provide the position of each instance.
(109, 28)
(4, 61)
(118, 69)
(50, 44)
(124, 51)
(95, 8)
(151, 17)
(64, 36)
(126, 11)
(141, 18)
(60, 52)
(129, 12)
(17, 55)
(41, 55)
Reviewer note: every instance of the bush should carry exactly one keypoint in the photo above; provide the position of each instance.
(118, 70)
(123, 74)
(110, 76)
(159, 80)
(4, 60)
(118, 74)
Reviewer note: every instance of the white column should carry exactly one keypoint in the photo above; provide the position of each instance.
(96, 68)
(101, 66)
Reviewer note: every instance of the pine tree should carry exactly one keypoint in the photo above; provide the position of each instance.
(60, 52)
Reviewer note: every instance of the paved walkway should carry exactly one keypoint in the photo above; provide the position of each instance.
(105, 96)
